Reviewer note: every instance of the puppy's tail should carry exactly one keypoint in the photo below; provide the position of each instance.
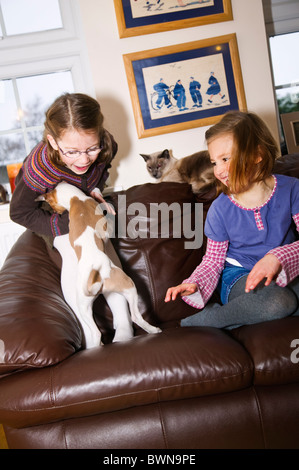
(94, 283)
(90, 280)
(93, 273)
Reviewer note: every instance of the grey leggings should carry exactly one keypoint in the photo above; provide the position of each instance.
(262, 304)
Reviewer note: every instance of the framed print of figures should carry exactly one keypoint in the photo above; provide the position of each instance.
(135, 17)
(184, 86)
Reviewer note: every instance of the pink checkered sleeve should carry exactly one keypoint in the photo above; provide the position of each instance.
(207, 274)
(288, 255)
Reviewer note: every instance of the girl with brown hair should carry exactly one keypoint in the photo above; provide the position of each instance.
(252, 249)
(76, 148)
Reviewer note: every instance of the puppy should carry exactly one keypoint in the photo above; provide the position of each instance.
(88, 271)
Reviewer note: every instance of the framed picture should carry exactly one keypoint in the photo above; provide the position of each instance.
(290, 124)
(184, 86)
(135, 17)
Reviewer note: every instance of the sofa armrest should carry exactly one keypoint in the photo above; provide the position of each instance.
(37, 327)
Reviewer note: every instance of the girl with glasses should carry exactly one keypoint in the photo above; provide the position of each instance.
(77, 149)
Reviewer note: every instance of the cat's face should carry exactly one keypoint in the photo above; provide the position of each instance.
(156, 162)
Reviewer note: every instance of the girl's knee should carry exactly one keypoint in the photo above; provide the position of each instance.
(280, 302)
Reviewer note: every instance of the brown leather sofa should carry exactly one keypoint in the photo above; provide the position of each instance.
(185, 388)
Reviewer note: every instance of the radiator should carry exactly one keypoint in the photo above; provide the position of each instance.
(9, 233)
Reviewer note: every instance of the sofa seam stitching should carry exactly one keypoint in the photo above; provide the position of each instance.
(270, 371)
(150, 277)
(56, 406)
(162, 424)
(52, 393)
(64, 433)
(260, 416)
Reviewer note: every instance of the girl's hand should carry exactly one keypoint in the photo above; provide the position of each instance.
(182, 289)
(268, 267)
(97, 195)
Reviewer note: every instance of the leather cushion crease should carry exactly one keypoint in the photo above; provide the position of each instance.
(157, 373)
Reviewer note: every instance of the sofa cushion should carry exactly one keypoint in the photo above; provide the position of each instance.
(272, 347)
(176, 364)
(287, 165)
(154, 259)
(37, 328)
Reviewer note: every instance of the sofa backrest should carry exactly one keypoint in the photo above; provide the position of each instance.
(288, 165)
(156, 262)
(160, 242)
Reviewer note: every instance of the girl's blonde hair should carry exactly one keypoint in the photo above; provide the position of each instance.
(79, 112)
(254, 149)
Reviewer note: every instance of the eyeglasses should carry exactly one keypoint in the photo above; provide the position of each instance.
(91, 152)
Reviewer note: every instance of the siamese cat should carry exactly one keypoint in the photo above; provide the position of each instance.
(196, 169)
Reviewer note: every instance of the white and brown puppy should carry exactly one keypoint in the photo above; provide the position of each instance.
(87, 267)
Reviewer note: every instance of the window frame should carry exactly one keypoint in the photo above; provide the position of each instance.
(280, 18)
(29, 53)
(68, 31)
(48, 52)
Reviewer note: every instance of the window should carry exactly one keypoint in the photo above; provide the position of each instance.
(42, 55)
(33, 16)
(282, 20)
(285, 66)
(23, 102)
(284, 53)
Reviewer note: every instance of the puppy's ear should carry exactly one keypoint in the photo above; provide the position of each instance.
(50, 198)
(144, 156)
(41, 197)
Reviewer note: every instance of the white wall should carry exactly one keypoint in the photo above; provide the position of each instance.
(105, 50)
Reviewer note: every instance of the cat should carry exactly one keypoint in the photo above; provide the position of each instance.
(195, 169)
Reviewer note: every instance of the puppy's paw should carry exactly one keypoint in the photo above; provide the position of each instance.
(93, 340)
(157, 330)
(150, 329)
(123, 334)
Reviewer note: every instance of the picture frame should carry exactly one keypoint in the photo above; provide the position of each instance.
(137, 17)
(160, 105)
(290, 125)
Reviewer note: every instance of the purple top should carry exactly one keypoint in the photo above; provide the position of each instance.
(253, 232)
